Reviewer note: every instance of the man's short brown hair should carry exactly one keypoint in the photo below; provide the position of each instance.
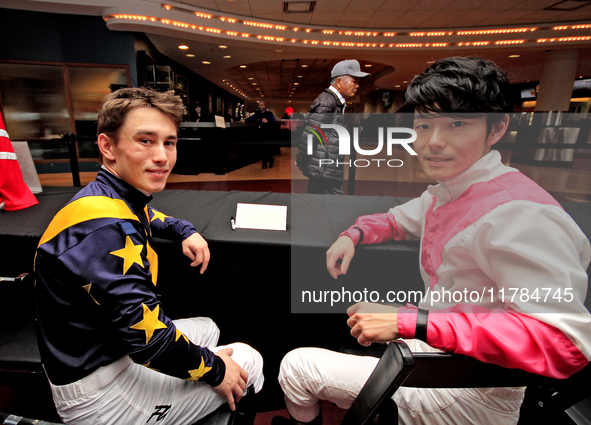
(116, 105)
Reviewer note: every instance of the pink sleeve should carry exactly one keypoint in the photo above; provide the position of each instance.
(374, 229)
(506, 338)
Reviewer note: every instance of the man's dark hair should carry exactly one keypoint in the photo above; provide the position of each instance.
(460, 85)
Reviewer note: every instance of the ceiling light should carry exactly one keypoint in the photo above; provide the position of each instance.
(223, 46)
(227, 57)
(183, 47)
(190, 55)
(250, 78)
(295, 84)
(300, 76)
(367, 65)
(242, 66)
(430, 61)
(514, 56)
(304, 66)
(206, 62)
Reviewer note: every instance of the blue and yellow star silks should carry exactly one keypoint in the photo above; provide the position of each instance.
(130, 254)
(149, 322)
(197, 374)
(96, 272)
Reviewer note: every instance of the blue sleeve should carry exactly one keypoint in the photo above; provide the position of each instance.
(122, 272)
(166, 227)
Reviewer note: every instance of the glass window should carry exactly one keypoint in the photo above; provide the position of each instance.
(34, 101)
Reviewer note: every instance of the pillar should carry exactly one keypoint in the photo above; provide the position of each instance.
(558, 78)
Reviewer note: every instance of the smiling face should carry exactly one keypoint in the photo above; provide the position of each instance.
(448, 145)
(145, 150)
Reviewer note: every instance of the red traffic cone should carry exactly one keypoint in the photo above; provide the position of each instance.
(14, 192)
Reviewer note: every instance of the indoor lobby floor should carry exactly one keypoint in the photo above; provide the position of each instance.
(566, 184)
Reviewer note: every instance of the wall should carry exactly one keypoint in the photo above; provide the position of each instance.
(50, 37)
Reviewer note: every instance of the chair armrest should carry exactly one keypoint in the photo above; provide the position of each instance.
(389, 374)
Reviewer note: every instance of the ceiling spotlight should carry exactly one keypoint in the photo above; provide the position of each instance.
(304, 66)
(242, 66)
(367, 65)
(190, 55)
(227, 57)
(295, 84)
(300, 76)
(183, 47)
(206, 62)
(223, 46)
(514, 56)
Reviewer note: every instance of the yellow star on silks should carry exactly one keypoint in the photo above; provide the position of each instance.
(196, 374)
(180, 334)
(87, 289)
(150, 322)
(130, 254)
(158, 216)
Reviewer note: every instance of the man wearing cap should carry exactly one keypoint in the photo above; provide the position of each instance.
(326, 177)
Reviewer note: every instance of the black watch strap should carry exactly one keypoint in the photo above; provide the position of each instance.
(421, 329)
(360, 234)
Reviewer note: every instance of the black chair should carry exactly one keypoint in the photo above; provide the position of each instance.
(547, 400)
(375, 398)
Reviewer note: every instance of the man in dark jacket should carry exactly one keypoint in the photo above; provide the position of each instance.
(326, 177)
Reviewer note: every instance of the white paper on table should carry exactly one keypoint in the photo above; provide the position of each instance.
(220, 121)
(260, 216)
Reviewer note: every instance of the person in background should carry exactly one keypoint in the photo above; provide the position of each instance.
(198, 115)
(328, 108)
(110, 352)
(264, 118)
(484, 228)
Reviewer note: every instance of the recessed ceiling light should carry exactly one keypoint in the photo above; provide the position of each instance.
(190, 55)
(405, 82)
(250, 78)
(304, 66)
(279, 50)
(300, 76)
(367, 65)
(223, 46)
(242, 66)
(514, 56)
(430, 61)
(206, 62)
(227, 57)
(397, 85)
(183, 47)
(295, 84)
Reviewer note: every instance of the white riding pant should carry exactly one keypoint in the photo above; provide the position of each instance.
(308, 375)
(127, 393)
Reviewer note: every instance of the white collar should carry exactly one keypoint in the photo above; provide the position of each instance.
(339, 96)
(486, 168)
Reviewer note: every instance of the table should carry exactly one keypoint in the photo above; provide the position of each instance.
(254, 278)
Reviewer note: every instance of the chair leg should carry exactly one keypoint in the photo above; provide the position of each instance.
(388, 414)
(246, 409)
